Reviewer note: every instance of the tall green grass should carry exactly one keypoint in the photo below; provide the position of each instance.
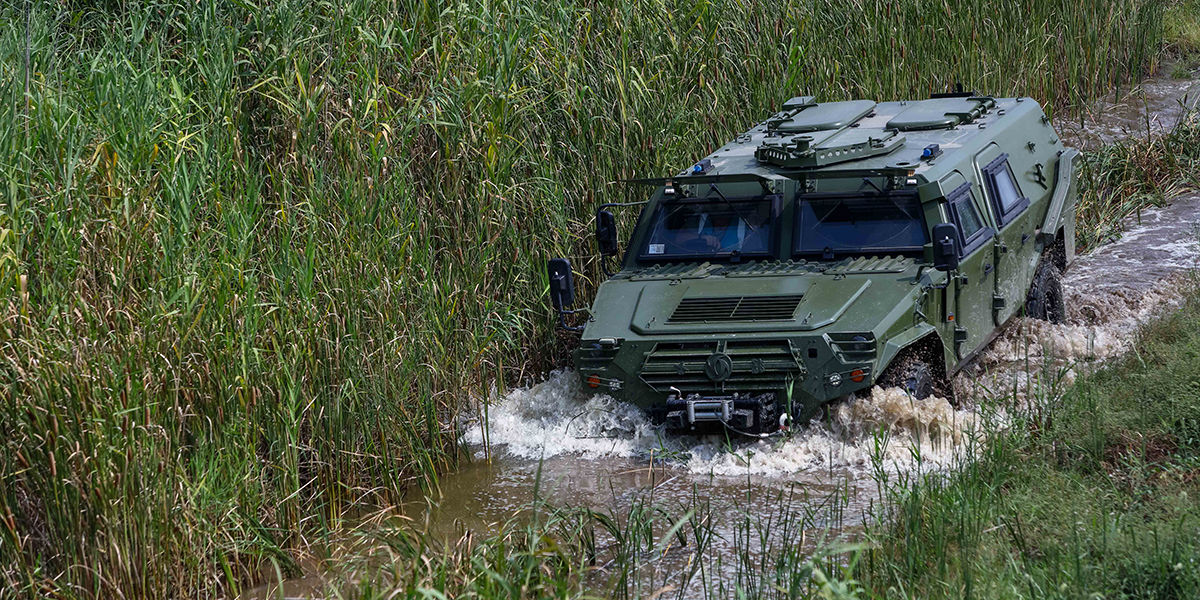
(1088, 493)
(255, 259)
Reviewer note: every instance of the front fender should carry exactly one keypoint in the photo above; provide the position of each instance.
(903, 340)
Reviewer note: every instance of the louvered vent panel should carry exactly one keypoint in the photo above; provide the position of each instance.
(758, 366)
(735, 308)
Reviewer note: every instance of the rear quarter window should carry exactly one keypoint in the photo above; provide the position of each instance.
(1002, 189)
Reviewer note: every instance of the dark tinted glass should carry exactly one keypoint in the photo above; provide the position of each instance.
(683, 229)
(859, 224)
(1006, 189)
(968, 218)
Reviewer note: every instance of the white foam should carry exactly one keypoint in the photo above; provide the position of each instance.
(556, 417)
(884, 424)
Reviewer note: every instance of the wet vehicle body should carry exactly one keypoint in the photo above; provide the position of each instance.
(832, 247)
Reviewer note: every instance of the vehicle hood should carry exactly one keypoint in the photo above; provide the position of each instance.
(752, 298)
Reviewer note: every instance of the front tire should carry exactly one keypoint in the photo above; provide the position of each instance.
(913, 376)
(1045, 301)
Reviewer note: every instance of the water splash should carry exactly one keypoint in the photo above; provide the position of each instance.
(556, 417)
(882, 427)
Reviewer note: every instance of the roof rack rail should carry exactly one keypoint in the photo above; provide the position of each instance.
(957, 93)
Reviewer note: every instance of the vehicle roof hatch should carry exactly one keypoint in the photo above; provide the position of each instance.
(802, 115)
(940, 113)
(827, 147)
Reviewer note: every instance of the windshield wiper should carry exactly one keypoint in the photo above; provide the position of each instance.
(714, 188)
(872, 184)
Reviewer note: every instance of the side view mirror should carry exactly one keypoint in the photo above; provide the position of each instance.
(606, 233)
(945, 247)
(562, 283)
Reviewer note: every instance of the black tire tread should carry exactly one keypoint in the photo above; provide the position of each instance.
(1045, 301)
(913, 375)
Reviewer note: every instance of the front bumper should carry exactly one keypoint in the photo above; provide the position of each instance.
(800, 372)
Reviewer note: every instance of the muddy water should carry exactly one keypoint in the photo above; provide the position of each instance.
(1153, 106)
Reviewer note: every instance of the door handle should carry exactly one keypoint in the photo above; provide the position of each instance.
(1024, 238)
(987, 269)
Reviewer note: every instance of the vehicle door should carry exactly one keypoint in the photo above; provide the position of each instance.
(968, 304)
(1014, 244)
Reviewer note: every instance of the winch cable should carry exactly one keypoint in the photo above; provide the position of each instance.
(761, 436)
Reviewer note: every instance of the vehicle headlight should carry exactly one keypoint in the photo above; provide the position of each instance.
(835, 379)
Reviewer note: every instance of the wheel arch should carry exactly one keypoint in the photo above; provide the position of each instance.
(923, 341)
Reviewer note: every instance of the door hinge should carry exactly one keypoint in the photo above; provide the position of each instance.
(998, 303)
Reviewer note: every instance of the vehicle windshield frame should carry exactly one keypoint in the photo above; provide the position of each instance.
(798, 231)
(718, 201)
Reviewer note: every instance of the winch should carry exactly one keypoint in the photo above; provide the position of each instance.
(736, 410)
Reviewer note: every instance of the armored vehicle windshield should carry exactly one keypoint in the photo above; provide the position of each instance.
(713, 228)
(829, 225)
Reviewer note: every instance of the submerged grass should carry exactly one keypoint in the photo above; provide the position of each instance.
(655, 548)
(254, 258)
(1120, 179)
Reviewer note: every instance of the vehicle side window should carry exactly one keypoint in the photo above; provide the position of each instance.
(1003, 191)
(972, 232)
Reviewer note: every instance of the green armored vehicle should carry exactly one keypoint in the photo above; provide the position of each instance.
(832, 247)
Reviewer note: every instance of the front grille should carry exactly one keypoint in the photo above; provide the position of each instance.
(758, 366)
(736, 308)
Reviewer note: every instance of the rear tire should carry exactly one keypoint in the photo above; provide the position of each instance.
(1045, 301)
(913, 376)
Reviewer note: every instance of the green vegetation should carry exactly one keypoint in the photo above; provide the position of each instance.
(1090, 494)
(1118, 180)
(1182, 28)
(253, 259)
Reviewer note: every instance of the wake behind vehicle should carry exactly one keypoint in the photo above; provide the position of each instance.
(832, 247)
